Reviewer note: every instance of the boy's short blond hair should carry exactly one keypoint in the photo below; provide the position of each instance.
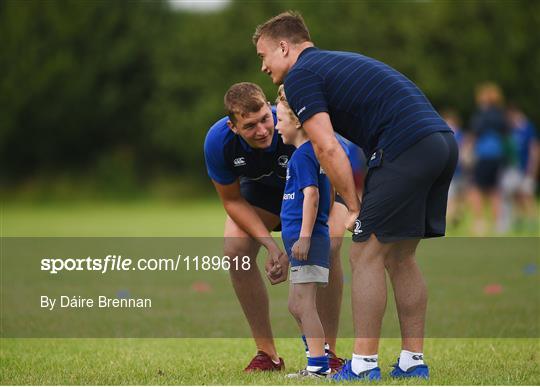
(243, 98)
(282, 99)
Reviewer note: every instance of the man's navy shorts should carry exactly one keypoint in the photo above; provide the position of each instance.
(267, 197)
(263, 196)
(406, 198)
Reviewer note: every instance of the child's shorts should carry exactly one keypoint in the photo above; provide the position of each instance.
(316, 267)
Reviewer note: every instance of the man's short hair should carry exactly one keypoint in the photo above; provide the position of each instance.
(243, 98)
(287, 25)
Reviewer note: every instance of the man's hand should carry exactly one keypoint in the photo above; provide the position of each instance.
(277, 267)
(350, 220)
(300, 248)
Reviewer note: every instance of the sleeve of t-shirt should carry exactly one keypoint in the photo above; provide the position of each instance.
(306, 170)
(344, 145)
(215, 160)
(305, 93)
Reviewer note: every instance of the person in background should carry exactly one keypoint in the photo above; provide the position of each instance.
(489, 129)
(461, 178)
(521, 183)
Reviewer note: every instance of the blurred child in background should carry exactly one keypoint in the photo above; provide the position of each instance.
(461, 180)
(519, 184)
(489, 128)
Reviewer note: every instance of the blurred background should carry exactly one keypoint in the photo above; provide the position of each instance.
(110, 101)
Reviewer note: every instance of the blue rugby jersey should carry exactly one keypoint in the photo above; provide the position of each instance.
(303, 171)
(369, 103)
(228, 157)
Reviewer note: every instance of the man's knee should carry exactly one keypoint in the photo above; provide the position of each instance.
(402, 254)
(367, 253)
(335, 249)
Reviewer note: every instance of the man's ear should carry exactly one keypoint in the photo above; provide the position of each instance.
(284, 46)
(232, 127)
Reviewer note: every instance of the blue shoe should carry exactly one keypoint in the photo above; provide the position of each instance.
(346, 374)
(419, 371)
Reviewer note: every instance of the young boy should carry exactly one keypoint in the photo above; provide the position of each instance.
(304, 216)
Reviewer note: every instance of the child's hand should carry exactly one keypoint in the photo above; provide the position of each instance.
(300, 248)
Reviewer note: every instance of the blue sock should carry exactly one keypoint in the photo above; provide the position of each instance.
(318, 364)
(305, 345)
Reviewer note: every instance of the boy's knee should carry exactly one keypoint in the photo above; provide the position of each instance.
(295, 309)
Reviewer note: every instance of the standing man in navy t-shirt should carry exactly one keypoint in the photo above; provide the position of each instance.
(411, 156)
(247, 162)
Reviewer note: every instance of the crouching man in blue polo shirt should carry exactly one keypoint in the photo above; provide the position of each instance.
(247, 162)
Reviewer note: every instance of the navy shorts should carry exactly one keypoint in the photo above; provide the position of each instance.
(486, 173)
(406, 198)
(267, 197)
(339, 199)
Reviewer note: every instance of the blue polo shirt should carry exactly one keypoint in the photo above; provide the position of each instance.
(304, 171)
(369, 103)
(228, 157)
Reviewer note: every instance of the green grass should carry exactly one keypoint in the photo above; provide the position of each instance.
(456, 270)
(134, 219)
(220, 361)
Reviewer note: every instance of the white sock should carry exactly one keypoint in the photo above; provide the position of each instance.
(408, 359)
(361, 363)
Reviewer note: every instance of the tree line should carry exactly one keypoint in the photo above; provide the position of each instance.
(131, 87)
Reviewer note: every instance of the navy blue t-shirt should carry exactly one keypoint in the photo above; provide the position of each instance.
(304, 171)
(489, 125)
(228, 157)
(369, 103)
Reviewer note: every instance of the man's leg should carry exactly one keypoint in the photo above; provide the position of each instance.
(249, 285)
(329, 297)
(368, 293)
(410, 293)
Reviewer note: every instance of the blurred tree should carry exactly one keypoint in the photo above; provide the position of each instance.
(76, 78)
(137, 84)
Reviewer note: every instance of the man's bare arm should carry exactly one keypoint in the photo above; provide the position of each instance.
(334, 162)
(245, 216)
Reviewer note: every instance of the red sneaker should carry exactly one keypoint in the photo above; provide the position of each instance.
(335, 362)
(263, 362)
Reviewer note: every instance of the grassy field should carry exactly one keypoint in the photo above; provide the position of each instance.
(475, 338)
